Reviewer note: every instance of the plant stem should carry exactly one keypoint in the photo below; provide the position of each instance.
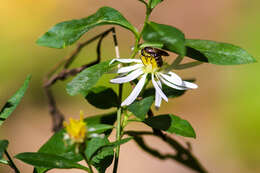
(147, 15)
(11, 163)
(118, 128)
(90, 167)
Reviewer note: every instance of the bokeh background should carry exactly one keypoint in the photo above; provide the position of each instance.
(224, 110)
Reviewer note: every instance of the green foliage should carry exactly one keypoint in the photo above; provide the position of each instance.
(153, 3)
(172, 38)
(11, 104)
(56, 146)
(103, 159)
(140, 107)
(3, 147)
(217, 53)
(108, 119)
(172, 124)
(49, 161)
(170, 92)
(150, 44)
(102, 97)
(88, 78)
(66, 33)
(96, 144)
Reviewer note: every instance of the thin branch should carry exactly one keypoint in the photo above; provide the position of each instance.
(51, 78)
(183, 156)
(11, 163)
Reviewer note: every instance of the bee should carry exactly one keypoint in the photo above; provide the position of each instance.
(150, 52)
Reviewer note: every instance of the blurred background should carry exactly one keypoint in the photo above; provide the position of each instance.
(224, 110)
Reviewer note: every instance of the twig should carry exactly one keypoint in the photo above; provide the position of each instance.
(51, 78)
(183, 155)
(11, 163)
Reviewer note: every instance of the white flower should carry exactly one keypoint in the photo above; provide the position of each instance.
(143, 68)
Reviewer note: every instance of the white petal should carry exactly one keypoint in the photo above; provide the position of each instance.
(158, 98)
(190, 85)
(122, 60)
(136, 91)
(173, 78)
(133, 75)
(129, 68)
(158, 89)
(171, 85)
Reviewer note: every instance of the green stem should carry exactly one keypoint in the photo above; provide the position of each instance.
(138, 38)
(118, 128)
(90, 170)
(11, 163)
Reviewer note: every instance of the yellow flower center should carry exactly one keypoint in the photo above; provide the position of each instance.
(76, 129)
(150, 64)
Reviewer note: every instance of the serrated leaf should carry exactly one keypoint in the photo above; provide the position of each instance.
(140, 107)
(102, 97)
(49, 161)
(172, 38)
(155, 2)
(172, 124)
(66, 33)
(217, 53)
(11, 104)
(3, 147)
(88, 78)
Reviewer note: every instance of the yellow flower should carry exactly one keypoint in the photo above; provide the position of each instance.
(76, 129)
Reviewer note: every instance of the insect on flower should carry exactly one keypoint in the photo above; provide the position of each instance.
(150, 63)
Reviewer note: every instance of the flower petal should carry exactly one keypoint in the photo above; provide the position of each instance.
(170, 84)
(158, 89)
(172, 77)
(133, 75)
(158, 98)
(136, 91)
(190, 85)
(129, 68)
(122, 60)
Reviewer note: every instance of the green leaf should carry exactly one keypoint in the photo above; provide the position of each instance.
(109, 119)
(93, 145)
(172, 124)
(88, 78)
(155, 2)
(56, 145)
(97, 96)
(98, 128)
(217, 53)
(66, 33)
(168, 91)
(172, 38)
(96, 144)
(140, 108)
(11, 104)
(48, 161)
(102, 158)
(3, 147)
(150, 44)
